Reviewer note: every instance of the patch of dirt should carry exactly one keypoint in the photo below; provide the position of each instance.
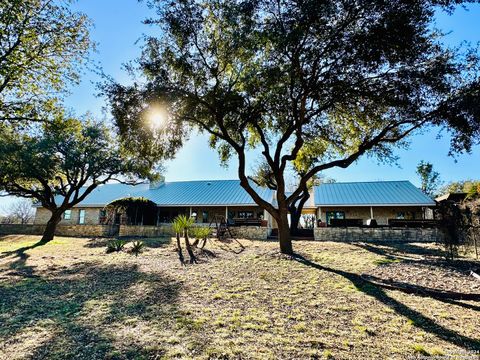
(431, 274)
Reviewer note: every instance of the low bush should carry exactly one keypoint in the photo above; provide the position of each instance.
(137, 247)
(115, 246)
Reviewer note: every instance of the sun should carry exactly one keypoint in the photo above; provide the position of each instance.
(157, 117)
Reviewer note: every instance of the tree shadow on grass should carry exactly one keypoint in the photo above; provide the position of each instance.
(399, 250)
(153, 243)
(419, 320)
(80, 305)
(20, 257)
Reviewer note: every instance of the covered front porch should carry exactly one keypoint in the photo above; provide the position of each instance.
(133, 211)
(212, 215)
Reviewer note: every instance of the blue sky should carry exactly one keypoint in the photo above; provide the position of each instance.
(118, 27)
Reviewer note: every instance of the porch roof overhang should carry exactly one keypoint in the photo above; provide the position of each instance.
(376, 205)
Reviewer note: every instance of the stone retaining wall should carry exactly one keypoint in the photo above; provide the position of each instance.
(250, 232)
(145, 231)
(86, 230)
(246, 232)
(62, 230)
(352, 234)
(17, 229)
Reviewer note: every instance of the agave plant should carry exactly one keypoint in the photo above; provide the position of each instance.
(137, 247)
(115, 246)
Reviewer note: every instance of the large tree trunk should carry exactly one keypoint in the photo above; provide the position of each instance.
(296, 212)
(284, 236)
(295, 216)
(49, 231)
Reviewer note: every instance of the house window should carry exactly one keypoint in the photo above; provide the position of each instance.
(204, 216)
(81, 216)
(335, 215)
(67, 215)
(245, 214)
(406, 215)
(102, 216)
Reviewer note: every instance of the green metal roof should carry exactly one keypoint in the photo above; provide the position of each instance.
(230, 193)
(179, 193)
(377, 193)
(203, 192)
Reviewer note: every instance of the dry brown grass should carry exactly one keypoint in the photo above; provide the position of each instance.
(68, 299)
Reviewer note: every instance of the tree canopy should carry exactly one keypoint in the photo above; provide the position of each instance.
(469, 187)
(312, 84)
(430, 179)
(62, 162)
(42, 44)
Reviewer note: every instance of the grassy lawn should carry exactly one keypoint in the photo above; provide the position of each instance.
(69, 299)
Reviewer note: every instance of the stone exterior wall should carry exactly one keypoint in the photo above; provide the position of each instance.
(92, 216)
(352, 234)
(250, 232)
(381, 214)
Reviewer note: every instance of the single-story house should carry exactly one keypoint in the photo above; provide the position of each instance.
(210, 200)
(379, 200)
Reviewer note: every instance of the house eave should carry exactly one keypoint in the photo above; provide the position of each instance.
(376, 205)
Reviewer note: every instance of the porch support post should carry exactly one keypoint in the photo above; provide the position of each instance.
(190, 211)
(226, 214)
(371, 212)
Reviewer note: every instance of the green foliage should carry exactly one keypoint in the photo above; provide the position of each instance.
(177, 227)
(310, 85)
(470, 187)
(183, 222)
(430, 179)
(116, 245)
(137, 247)
(42, 45)
(61, 157)
(136, 209)
(200, 232)
(62, 162)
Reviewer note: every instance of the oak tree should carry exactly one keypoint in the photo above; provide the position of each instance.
(60, 163)
(43, 43)
(312, 84)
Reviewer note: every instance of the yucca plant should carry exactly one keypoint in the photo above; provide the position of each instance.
(186, 223)
(116, 245)
(177, 227)
(202, 234)
(137, 247)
